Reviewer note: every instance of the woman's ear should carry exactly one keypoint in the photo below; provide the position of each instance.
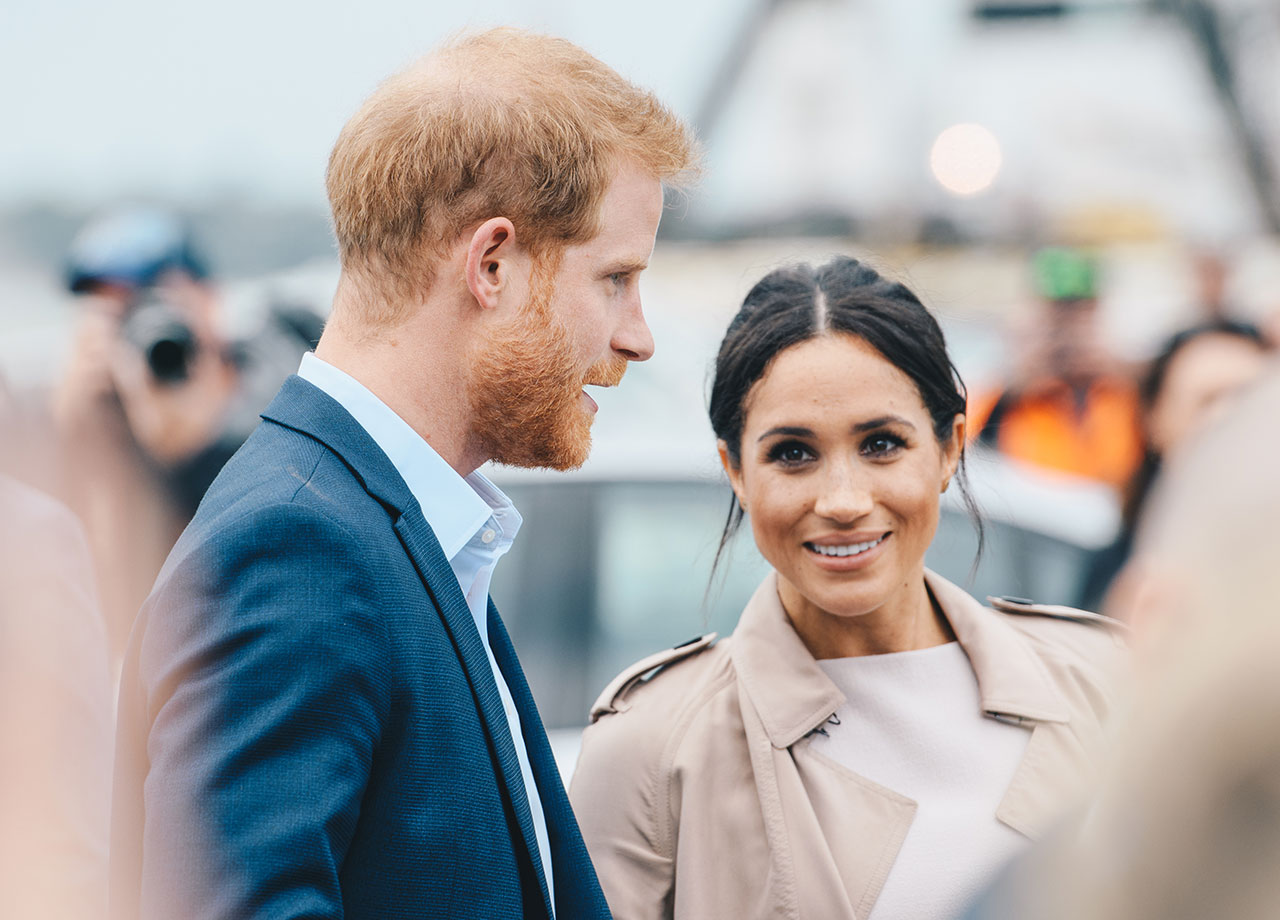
(731, 470)
(493, 258)
(952, 450)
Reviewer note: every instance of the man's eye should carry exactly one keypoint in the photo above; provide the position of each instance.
(619, 278)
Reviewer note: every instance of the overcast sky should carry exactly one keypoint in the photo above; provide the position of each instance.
(172, 98)
(836, 109)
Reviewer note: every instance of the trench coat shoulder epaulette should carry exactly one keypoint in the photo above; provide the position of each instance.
(613, 697)
(1024, 607)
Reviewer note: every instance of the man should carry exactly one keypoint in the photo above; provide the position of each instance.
(322, 715)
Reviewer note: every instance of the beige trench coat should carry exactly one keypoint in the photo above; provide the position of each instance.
(700, 797)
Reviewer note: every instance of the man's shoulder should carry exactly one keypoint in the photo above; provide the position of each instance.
(278, 466)
(284, 500)
(271, 565)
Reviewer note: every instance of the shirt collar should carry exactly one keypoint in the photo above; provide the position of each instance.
(454, 507)
(793, 695)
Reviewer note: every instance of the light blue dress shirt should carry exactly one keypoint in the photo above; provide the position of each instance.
(474, 522)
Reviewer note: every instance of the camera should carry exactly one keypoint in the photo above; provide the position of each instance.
(158, 331)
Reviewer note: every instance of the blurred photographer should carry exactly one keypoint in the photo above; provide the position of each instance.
(148, 349)
(154, 398)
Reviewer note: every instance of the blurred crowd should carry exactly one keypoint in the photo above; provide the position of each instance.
(1072, 405)
(97, 480)
(100, 476)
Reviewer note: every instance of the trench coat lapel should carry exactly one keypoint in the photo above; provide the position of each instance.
(789, 693)
(1012, 680)
(819, 857)
(1016, 687)
(311, 411)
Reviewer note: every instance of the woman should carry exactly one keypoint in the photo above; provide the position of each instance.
(871, 741)
(1194, 374)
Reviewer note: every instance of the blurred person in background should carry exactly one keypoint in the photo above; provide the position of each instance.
(1187, 823)
(1192, 377)
(1069, 406)
(871, 741)
(55, 712)
(155, 397)
(1211, 271)
(321, 713)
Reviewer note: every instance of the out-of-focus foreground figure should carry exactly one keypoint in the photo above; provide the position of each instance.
(55, 713)
(1188, 824)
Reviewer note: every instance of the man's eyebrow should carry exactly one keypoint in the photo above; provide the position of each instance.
(627, 266)
(791, 430)
(881, 422)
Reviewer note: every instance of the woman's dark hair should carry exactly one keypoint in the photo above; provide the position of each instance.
(798, 303)
(1151, 385)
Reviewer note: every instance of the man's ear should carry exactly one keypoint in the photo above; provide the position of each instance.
(494, 261)
(733, 472)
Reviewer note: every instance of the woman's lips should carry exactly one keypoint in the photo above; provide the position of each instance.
(848, 553)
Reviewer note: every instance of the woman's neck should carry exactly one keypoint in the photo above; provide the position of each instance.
(909, 621)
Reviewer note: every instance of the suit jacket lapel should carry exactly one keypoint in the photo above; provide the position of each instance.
(305, 408)
(442, 584)
(578, 892)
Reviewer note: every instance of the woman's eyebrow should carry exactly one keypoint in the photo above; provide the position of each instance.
(881, 422)
(790, 430)
(797, 431)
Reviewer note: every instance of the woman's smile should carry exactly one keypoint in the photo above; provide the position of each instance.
(846, 553)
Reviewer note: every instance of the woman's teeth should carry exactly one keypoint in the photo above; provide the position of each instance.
(851, 550)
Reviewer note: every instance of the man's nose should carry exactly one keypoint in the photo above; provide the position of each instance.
(633, 340)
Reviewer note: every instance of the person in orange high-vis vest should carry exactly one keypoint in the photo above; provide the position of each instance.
(1069, 409)
(1091, 433)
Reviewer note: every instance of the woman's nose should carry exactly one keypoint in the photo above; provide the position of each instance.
(844, 496)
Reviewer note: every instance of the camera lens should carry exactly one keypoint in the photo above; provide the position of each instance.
(164, 339)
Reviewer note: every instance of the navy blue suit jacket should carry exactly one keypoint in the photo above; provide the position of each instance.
(309, 725)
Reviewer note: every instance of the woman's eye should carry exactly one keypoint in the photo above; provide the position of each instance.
(881, 445)
(790, 454)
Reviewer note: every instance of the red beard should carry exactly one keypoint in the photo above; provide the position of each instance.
(526, 390)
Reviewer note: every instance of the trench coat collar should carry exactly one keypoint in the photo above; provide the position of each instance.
(794, 696)
(1012, 680)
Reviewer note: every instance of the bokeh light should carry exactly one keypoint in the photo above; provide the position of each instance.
(966, 159)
